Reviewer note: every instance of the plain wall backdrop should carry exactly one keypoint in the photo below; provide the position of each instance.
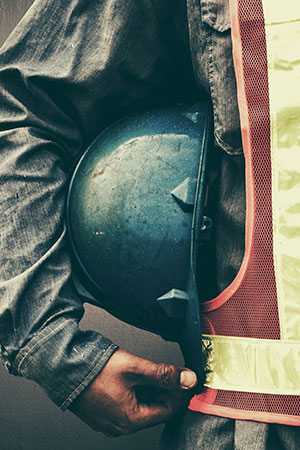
(28, 419)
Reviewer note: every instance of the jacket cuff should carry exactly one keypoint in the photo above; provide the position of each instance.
(63, 360)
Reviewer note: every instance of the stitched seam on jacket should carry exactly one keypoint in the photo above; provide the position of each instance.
(224, 145)
(30, 350)
(73, 394)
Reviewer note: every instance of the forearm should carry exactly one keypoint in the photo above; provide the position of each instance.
(39, 310)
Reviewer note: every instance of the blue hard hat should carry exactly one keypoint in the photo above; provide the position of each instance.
(135, 218)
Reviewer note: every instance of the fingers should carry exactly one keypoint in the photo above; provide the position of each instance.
(167, 376)
(136, 370)
(154, 414)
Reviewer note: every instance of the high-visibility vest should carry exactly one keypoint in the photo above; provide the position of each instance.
(252, 329)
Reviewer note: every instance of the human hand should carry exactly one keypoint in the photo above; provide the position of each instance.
(132, 393)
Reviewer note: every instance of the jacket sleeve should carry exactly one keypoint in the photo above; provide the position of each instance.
(68, 70)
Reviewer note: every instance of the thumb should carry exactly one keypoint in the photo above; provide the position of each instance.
(169, 376)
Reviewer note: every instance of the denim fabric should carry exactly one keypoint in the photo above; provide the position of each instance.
(193, 431)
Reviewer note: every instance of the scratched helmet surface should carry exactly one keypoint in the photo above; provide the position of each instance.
(130, 213)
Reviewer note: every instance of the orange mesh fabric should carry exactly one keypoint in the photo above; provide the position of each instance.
(252, 310)
(277, 404)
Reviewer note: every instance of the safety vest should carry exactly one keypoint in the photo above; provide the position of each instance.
(252, 329)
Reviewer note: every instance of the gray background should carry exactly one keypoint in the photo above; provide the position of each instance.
(28, 420)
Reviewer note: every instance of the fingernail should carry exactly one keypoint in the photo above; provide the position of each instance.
(188, 379)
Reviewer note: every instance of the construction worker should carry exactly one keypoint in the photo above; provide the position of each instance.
(67, 71)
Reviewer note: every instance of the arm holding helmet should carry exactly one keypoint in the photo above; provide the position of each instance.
(68, 70)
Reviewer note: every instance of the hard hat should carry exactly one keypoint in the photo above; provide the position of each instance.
(135, 218)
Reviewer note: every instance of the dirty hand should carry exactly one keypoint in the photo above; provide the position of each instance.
(132, 393)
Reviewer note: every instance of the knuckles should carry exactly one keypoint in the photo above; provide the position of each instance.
(167, 375)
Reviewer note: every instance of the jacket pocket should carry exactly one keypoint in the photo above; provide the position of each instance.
(216, 14)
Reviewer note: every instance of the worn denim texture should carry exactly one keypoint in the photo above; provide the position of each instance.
(195, 431)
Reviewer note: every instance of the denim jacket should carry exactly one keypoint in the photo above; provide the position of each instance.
(68, 70)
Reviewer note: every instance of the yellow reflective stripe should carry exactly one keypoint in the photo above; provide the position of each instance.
(253, 365)
(276, 12)
(282, 21)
